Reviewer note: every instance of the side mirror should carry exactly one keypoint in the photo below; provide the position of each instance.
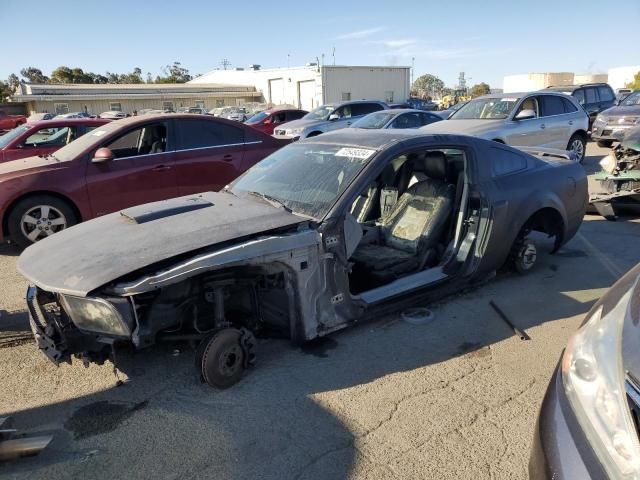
(333, 116)
(102, 155)
(525, 115)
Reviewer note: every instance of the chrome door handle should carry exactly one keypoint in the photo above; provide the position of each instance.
(227, 158)
(542, 126)
(570, 122)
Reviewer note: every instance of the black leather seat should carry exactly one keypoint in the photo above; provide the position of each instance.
(412, 231)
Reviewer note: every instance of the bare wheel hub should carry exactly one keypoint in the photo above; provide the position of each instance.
(42, 221)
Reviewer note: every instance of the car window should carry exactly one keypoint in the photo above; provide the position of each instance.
(278, 117)
(146, 140)
(606, 94)
(343, 112)
(12, 135)
(202, 134)
(590, 95)
(505, 162)
(428, 118)
(552, 105)
(579, 96)
(51, 137)
(295, 115)
(407, 120)
(529, 103)
(358, 109)
(569, 107)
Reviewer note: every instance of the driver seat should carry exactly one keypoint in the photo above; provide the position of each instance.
(411, 232)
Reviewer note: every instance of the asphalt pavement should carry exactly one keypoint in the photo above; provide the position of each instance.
(457, 398)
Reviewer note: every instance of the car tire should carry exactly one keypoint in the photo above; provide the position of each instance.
(605, 143)
(222, 360)
(26, 218)
(578, 144)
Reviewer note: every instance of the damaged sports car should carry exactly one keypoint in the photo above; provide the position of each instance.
(319, 235)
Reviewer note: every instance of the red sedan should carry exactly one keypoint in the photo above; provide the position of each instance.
(44, 137)
(267, 120)
(121, 164)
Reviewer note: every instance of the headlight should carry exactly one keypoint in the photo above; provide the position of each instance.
(593, 379)
(609, 163)
(95, 315)
(601, 119)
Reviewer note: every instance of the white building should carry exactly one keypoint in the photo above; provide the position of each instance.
(311, 86)
(620, 76)
(529, 82)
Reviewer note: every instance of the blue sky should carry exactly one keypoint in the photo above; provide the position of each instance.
(487, 39)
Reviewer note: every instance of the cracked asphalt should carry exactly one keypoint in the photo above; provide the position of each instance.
(457, 398)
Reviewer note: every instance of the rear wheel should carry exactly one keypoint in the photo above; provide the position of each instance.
(605, 143)
(578, 145)
(38, 217)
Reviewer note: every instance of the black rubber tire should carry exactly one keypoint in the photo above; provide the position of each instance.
(605, 143)
(26, 204)
(583, 139)
(216, 371)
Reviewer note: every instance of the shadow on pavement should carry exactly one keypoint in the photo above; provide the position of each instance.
(163, 423)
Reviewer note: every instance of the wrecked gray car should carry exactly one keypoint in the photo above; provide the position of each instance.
(319, 235)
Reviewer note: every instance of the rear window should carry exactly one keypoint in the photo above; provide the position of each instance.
(552, 105)
(590, 95)
(504, 162)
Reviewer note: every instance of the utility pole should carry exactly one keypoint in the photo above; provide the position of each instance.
(334, 55)
(225, 63)
(288, 57)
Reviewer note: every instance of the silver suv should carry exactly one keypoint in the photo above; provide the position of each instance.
(331, 116)
(535, 119)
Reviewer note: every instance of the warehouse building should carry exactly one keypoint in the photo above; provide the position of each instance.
(95, 99)
(312, 85)
(528, 82)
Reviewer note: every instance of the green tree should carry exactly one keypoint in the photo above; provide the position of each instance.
(427, 85)
(5, 91)
(480, 89)
(635, 84)
(175, 73)
(34, 75)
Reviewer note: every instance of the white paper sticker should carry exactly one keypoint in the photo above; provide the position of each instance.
(508, 99)
(98, 133)
(360, 153)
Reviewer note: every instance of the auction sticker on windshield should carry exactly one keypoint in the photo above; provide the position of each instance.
(359, 153)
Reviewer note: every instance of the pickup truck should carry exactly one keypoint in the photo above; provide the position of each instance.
(9, 122)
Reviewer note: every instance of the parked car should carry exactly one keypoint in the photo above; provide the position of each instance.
(325, 118)
(619, 179)
(588, 423)
(312, 239)
(36, 117)
(445, 114)
(396, 118)
(75, 115)
(612, 124)
(593, 97)
(113, 115)
(198, 110)
(121, 164)
(537, 119)
(267, 120)
(622, 93)
(9, 122)
(44, 137)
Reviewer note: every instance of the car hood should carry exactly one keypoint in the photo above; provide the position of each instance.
(468, 127)
(81, 259)
(621, 110)
(25, 166)
(301, 123)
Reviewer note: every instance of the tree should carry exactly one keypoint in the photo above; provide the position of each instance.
(13, 81)
(480, 89)
(175, 73)
(427, 85)
(34, 75)
(5, 91)
(635, 84)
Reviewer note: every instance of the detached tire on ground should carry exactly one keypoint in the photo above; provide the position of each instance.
(37, 217)
(578, 144)
(222, 361)
(605, 143)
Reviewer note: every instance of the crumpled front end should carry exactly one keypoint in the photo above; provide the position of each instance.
(85, 328)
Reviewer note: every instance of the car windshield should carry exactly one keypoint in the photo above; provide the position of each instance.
(632, 99)
(486, 108)
(306, 178)
(374, 120)
(320, 113)
(75, 148)
(11, 135)
(257, 118)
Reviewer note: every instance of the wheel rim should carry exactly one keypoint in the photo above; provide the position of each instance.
(528, 256)
(42, 221)
(578, 148)
(230, 360)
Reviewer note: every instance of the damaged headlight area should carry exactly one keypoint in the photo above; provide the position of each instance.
(97, 315)
(609, 163)
(594, 381)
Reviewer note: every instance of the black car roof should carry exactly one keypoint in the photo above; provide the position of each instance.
(379, 139)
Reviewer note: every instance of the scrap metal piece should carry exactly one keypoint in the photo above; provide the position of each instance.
(11, 448)
(521, 333)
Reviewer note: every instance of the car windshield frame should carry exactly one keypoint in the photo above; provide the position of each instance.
(11, 135)
(635, 96)
(484, 109)
(320, 113)
(306, 178)
(367, 121)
